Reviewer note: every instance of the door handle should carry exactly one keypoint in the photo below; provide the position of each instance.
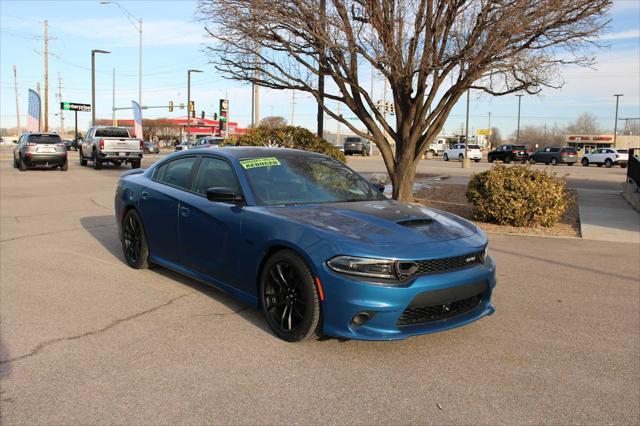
(184, 211)
(145, 195)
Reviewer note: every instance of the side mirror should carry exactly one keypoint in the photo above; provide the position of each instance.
(224, 195)
(378, 186)
(14, 141)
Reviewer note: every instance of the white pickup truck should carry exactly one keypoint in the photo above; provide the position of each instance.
(110, 144)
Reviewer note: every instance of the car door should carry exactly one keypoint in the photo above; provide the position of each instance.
(595, 156)
(210, 232)
(159, 205)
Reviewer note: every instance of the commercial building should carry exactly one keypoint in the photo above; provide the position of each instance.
(587, 143)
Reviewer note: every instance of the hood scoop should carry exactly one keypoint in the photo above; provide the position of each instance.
(416, 223)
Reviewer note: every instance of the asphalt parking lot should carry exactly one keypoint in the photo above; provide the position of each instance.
(87, 340)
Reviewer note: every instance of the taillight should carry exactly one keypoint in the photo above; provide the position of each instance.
(60, 144)
(101, 144)
(617, 155)
(141, 146)
(515, 151)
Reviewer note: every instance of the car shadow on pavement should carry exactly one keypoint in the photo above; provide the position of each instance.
(104, 230)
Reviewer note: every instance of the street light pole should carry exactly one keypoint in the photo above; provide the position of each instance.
(93, 83)
(189, 105)
(615, 124)
(466, 163)
(518, 130)
(137, 24)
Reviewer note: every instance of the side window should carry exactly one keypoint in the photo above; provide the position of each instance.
(555, 149)
(212, 173)
(176, 172)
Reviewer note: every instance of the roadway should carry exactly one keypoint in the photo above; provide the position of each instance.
(87, 340)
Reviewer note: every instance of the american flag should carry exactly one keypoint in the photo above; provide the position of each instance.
(33, 117)
(137, 118)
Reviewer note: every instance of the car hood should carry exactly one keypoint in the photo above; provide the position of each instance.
(384, 222)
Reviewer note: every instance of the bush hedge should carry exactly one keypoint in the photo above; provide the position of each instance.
(517, 196)
(287, 137)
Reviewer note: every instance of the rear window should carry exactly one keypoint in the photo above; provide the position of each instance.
(522, 147)
(112, 133)
(474, 146)
(623, 151)
(569, 150)
(353, 140)
(53, 139)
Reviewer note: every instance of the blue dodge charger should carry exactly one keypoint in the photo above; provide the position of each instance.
(310, 242)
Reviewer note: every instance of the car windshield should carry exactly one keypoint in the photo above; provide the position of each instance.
(52, 139)
(304, 179)
(473, 146)
(112, 133)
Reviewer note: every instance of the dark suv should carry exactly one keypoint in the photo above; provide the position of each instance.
(40, 149)
(555, 155)
(355, 145)
(508, 153)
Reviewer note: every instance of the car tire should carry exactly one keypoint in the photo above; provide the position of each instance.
(532, 160)
(608, 163)
(507, 160)
(15, 162)
(585, 162)
(135, 164)
(623, 166)
(477, 160)
(286, 286)
(134, 241)
(554, 162)
(569, 164)
(22, 166)
(445, 157)
(83, 161)
(97, 164)
(64, 166)
(461, 157)
(599, 164)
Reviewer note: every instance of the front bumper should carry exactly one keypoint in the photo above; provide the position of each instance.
(346, 297)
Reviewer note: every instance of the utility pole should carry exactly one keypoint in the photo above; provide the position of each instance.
(293, 105)
(189, 106)
(518, 131)
(113, 98)
(60, 100)
(338, 126)
(46, 76)
(93, 83)
(615, 123)
(255, 98)
(15, 82)
(466, 163)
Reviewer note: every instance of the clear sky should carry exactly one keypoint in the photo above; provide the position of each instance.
(173, 42)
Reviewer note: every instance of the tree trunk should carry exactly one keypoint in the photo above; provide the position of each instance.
(403, 178)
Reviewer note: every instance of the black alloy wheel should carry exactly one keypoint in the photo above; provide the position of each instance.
(554, 161)
(585, 162)
(608, 163)
(134, 241)
(289, 297)
(97, 163)
(507, 159)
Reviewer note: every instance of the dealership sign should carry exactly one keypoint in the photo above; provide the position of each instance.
(70, 106)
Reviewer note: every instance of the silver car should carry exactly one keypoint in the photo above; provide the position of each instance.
(40, 149)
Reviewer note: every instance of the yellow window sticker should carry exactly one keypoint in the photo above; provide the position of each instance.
(259, 162)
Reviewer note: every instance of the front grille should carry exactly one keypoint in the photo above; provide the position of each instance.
(423, 314)
(423, 267)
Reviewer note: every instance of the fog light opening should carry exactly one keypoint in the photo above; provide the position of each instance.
(361, 318)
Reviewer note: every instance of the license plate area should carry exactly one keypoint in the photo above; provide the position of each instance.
(122, 154)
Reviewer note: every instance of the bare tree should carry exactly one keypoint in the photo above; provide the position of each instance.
(429, 52)
(495, 138)
(273, 122)
(585, 124)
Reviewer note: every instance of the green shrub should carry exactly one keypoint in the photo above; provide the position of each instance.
(287, 137)
(517, 196)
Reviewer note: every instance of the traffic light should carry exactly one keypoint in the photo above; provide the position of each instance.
(202, 115)
(192, 106)
(170, 106)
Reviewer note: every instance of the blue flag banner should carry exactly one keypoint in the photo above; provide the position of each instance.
(137, 118)
(33, 115)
